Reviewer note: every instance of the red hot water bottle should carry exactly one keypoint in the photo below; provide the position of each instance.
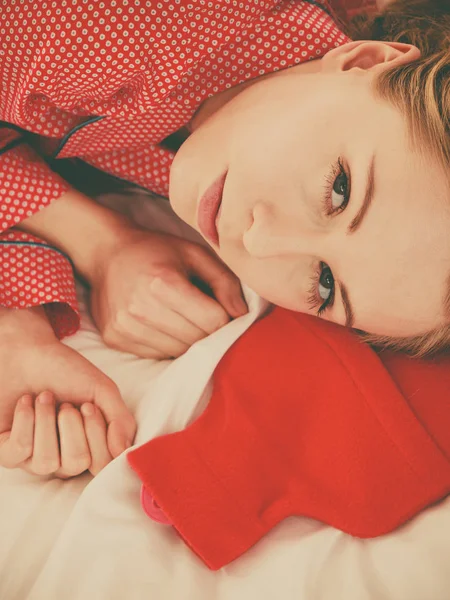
(304, 419)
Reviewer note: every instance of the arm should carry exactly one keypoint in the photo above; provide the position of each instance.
(81, 228)
(37, 277)
(142, 297)
(32, 273)
(33, 361)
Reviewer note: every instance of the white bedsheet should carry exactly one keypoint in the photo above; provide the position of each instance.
(88, 539)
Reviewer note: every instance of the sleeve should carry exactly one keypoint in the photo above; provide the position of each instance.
(32, 272)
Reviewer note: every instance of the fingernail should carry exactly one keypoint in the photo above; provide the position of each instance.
(241, 306)
(45, 398)
(87, 410)
(26, 400)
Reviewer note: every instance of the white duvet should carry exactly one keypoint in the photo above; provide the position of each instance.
(88, 539)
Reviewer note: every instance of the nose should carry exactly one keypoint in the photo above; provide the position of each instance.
(275, 236)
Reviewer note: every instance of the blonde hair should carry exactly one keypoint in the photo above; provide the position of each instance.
(421, 91)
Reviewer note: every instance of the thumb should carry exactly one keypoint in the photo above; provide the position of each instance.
(120, 421)
(224, 284)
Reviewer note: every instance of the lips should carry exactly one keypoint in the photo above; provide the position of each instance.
(209, 210)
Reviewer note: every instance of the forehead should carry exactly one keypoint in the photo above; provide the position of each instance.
(403, 248)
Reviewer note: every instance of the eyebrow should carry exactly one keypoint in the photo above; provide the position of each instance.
(354, 225)
(368, 197)
(349, 314)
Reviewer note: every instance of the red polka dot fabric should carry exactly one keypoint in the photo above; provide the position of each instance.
(33, 273)
(107, 82)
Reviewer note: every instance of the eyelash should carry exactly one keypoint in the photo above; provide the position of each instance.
(336, 170)
(314, 300)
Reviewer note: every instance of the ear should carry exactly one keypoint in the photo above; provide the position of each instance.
(369, 56)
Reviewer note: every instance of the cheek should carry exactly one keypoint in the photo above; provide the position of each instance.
(282, 282)
(197, 164)
(284, 159)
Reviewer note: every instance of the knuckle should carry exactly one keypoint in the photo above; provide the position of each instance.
(166, 273)
(76, 464)
(156, 354)
(180, 350)
(218, 319)
(110, 337)
(135, 309)
(45, 466)
(164, 277)
(223, 320)
(9, 464)
(107, 387)
(120, 322)
(98, 466)
(22, 449)
(199, 335)
(9, 460)
(62, 475)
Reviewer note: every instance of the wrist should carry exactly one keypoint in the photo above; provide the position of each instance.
(30, 323)
(84, 230)
(99, 235)
(114, 233)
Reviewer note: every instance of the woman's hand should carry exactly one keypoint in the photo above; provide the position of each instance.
(142, 296)
(32, 361)
(46, 439)
(143, 299)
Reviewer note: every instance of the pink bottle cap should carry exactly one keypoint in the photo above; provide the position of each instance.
(152, 509)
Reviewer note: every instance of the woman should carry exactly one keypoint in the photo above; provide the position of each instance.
(306, 177)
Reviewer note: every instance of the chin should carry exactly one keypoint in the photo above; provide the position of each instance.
(178, 201)
(174, 204)
(183, 198)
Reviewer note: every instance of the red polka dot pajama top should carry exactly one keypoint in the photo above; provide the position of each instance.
(107, 82)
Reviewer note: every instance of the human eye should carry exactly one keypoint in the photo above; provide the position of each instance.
(321, 294)
(337, 189)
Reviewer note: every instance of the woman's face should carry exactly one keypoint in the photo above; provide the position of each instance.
(326, 208)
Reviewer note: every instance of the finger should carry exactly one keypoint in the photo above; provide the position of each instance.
(74, 448)
(113, 433)
(132, 335)
(96, 435)
(155, 314)
(181, 296)
(120, 421)
(16, 446)
(225, 285)
(137, 349)
(45, 459)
